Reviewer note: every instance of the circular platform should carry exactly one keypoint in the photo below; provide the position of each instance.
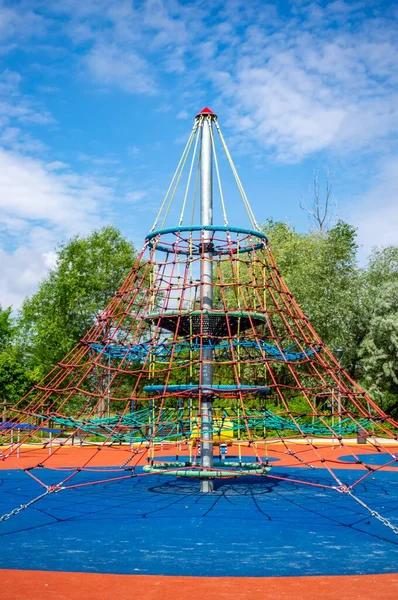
(195, 388)
(202, 322)
(189, 240)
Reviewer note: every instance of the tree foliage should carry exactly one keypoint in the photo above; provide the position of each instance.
(88, 271)
(15, 378)
(321, 271)
(352, 308)
(379, 349)
(7, 328)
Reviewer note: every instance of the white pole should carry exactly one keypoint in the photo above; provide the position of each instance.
(206, 213)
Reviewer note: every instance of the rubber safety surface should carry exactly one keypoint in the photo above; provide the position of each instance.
(251, 527)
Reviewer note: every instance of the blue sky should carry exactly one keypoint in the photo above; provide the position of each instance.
(98, 96)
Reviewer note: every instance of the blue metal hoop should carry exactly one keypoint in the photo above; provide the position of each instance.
(215, 228)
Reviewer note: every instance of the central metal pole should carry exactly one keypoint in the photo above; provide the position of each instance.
(206, 213)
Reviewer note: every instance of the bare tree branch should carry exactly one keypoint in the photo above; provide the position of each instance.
(321, 209)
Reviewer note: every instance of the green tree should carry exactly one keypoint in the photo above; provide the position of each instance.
(351, 308)
(15, 378)
(321, 271)
(7, 328)
(383, 265)
(379, 348)
(88, 272)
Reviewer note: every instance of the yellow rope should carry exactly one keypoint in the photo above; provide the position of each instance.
(182, 160)
(177, 182)
(152, 279)
(195, 191)
(224, 212)
(238, 181)
(189, 179)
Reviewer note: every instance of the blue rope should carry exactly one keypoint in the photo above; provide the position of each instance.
(176, 424)
(10, 426)
(162, 351)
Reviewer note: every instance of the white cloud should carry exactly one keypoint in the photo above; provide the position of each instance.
(33, 191)
(301, 92)
(375, 213)
(125, 45)
(315, 77)
(292, 83)
(110, 65)
(103, 160)
(133, 151)
(57, 165)
(17, 139)
(40, 204)
(25, 266)
(20, 274)
(16, 109)
(164, 108)
(19, 22)
(136, 196)
(183, 114)
(9, 83)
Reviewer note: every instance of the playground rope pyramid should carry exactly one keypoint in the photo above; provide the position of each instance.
(203, 345)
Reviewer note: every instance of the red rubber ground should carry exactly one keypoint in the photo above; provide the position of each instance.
(43, 585)
(74, 455)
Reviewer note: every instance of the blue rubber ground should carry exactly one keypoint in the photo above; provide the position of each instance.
(158, 525)
(371, 459)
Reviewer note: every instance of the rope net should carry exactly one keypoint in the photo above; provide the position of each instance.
(134, 384)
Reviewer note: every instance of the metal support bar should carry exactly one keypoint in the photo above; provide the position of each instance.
(206, 213)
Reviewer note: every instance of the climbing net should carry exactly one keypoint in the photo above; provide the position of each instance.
(134, 384)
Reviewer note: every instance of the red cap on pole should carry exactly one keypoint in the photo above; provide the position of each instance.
(206, 111)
